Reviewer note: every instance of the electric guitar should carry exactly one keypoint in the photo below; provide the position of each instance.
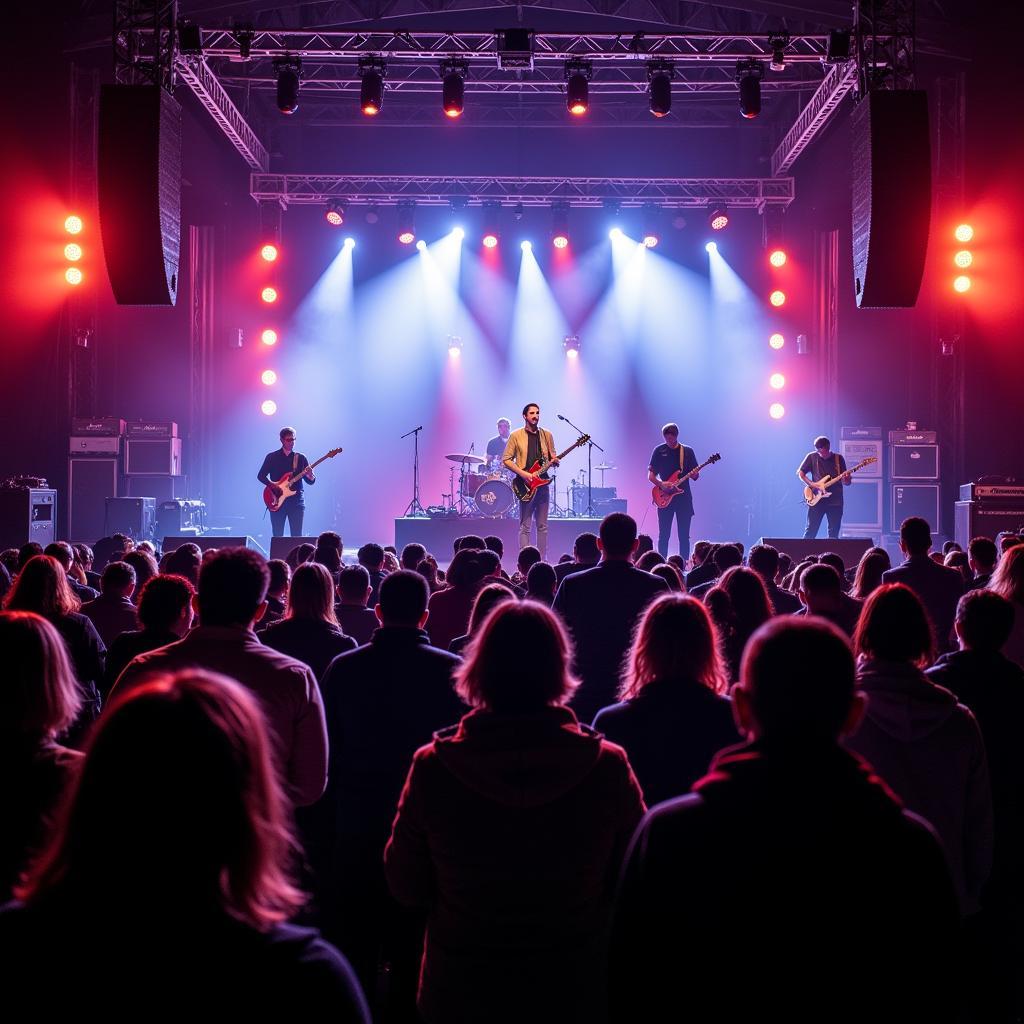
(525, 489)
(664, 498)
(275, 498)
(812, 495)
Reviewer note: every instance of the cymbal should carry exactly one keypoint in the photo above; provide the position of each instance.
(605, 465)
(473, 460)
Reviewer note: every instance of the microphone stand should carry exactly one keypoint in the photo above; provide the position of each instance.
(591, 445)
(414, 508)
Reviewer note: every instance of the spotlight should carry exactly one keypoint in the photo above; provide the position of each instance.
(526, 245)
(454, 346)
(711, 247)
(421, 245)
(244, 38)
(269, 377)
(776, 410)
(269, 252)
(577, 88)
(269, 407)
(749, 74)
(269, 294)
(453, 87)
(778, 46)
(838, 48)
(615, 234)
(335, 214)
(288, 71)
(349, 243)
(963, 259)
(73, 252)
(459, 233)
(190, 39)
(560, 225)
(651, 234)
(371, 89)
(73, 275)
(406, 223)
(777, 258)
(777, 298)
(269, 337)
(963, 233)
(73, 224)
(659, 78)
(960, 284)
(777, 381)
(490, 219)
(490, 240)
(571, 344)
(776, 341)
(718, 219)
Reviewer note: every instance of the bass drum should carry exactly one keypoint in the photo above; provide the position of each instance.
(470, 483)
(494, 498)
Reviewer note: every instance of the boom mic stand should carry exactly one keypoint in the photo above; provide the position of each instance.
(591, 445)
(414, 508)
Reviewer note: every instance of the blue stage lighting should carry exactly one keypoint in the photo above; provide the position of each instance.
(526, 246)
(421, 245)
(711, 247)
(350, 242)
(615, 234)
(459, 233)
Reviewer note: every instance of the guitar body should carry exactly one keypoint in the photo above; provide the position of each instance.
(665, 498)
(273, 500)
(812, 495)
(525, 491)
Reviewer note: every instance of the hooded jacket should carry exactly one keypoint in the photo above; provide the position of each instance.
(929, 750)
(511, 830)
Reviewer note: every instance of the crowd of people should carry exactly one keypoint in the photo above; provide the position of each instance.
(617, 788)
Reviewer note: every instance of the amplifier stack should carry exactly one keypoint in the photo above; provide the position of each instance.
(986, 510)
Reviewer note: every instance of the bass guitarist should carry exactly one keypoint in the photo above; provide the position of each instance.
(530, 444)
(278, 464)
(668, 458)
(818, 464)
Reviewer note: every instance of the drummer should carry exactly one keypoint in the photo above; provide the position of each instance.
(496, 445)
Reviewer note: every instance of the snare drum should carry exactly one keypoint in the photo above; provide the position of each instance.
(471, 483)
(494, 498)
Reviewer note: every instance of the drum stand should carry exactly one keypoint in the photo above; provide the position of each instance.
(556, 510)
(414, 508)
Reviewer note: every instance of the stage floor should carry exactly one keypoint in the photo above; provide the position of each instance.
(437, 535)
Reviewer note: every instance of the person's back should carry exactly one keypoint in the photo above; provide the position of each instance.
(790, 886)
(112, 613)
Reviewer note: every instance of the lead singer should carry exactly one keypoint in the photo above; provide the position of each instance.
(526, 446)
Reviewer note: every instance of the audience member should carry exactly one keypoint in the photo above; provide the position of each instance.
(671, 575)
(1008, 581)
(309, 631)
(113, 613)
(837, 563)
(960, 561)
(490, 564)
(328, 552)
(186, 561)
(925, 745)
(750, 609)
(680, 563)
(412, 555)
(792, 581)
(528, 556)
(300, 554)
(601, 607)
(371, 558)
(354, 617)
(27, 551)
(450, 608)
(541, 583)
(9, 560)
(428, 570)
(111, 549)
(868, 577)
(145, 565)
(170, 867)
(514, 866)
(585, 555)
(391, 563)
(938, 588)
(674, 716)
(644, 543)
(726, 556)
(950, 545)
(821, 592)
(38, 701)
(702, 571)
(84, 558)
(62, 551)
(840, 901)
(230, 601)
(982, 555)
(471, 542)
(648, 560)
(490, 596)
(764, 560)
(277, 591)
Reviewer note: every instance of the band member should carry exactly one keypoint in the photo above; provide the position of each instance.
(817, 465)
(666, 459)
(524, 447)
(496, 445)
(278, 463)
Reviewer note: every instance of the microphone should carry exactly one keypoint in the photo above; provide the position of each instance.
(561, 417)
(472, 445)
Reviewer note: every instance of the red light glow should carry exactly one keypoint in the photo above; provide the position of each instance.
(777, 258)
(73, 224)
(269, 336)
(406, 238)
(777, 298)
(269, 294)
(269, 253)
(490, 241)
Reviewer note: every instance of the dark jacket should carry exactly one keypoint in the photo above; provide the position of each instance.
(88, 656)
(783, 602)
(449, 613)
(757, 897)
(845, 616)
(706, 572)
(670, 733)
(357, 621)
(601, 607)
(939, 587)
(111, 616)
(563, 569)
(511, 830)
(929, 751)
(312, 641)
(128, 646)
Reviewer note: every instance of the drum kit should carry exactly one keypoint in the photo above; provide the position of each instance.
(484, 488)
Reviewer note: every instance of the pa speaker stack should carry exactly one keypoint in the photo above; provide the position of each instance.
(914, 477)
(988, 509)
(863, 500)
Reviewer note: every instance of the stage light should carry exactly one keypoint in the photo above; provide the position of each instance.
(269, 377)
(659, 89)
(964, 233)
(491, 216)
(269, 336)
(454, 346)
(652, 217)
(459, 233)
(406, 223)
(269, 294)
(288, 71)
(964, 258)
(490, 240)
(577, 86)
(560, 225)
(269, 253)
(269, 407)
(748, 75)
(73, 275)
(453, 87)
(718, 219)
(778, 46)
(571, 344)
(711, 247)
(777, 258)
(421, 245)
(776, 410)
(73, 224)
(526, 245)
(776, 341)
(615, 234)
(962, 283)
(777, 381)
(777, 298)
(335, 214)
(371, 87)
(349, 243)
(72, 251)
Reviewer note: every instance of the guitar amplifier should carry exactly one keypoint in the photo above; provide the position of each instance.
(855, 451)
(913, 437)
(579, 497)
(914, 462)
(153, 456)
(975, 519)
(133, 517)
(152, 428)
(97, 426)
(108, 445)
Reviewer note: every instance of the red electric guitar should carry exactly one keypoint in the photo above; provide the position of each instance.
(277, 493)
(525, 489)
(676, 481)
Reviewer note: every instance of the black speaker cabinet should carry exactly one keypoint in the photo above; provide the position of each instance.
(862, 503)
(849, 549)
(27, 514)
(892, 196)
(152, 456)
(134, 517)
(282, 547)
(161, 488)
(974, 519)
(914, 461)
(139, 183)
(90, 483)
(915, 500)
(211, 540)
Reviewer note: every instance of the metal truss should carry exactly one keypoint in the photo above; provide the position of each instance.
(884, 32)
(144, 42)
(390, 190)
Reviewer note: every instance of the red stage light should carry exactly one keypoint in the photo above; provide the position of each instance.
(962, 283)
(776, 341)
(964, 233)
(490, 241)
(777, 381)
(269, 252)
(777, 258)
(72, 251)
(73, 275)
(560, 241)
(650, 241)
(777, 298)
(964, 258)
(407, 237)
(269, 294)
(269, 336)
(269, 377)
(73, 224)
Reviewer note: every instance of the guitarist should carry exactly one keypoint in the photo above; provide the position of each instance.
(525, 446)
(817, 465)
(276, 465)
(669, 458)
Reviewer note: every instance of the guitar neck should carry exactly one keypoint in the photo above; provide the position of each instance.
(689, 475)
(302, 472)
(828, 480)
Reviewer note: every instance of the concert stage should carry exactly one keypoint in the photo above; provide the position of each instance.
(437, 535)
